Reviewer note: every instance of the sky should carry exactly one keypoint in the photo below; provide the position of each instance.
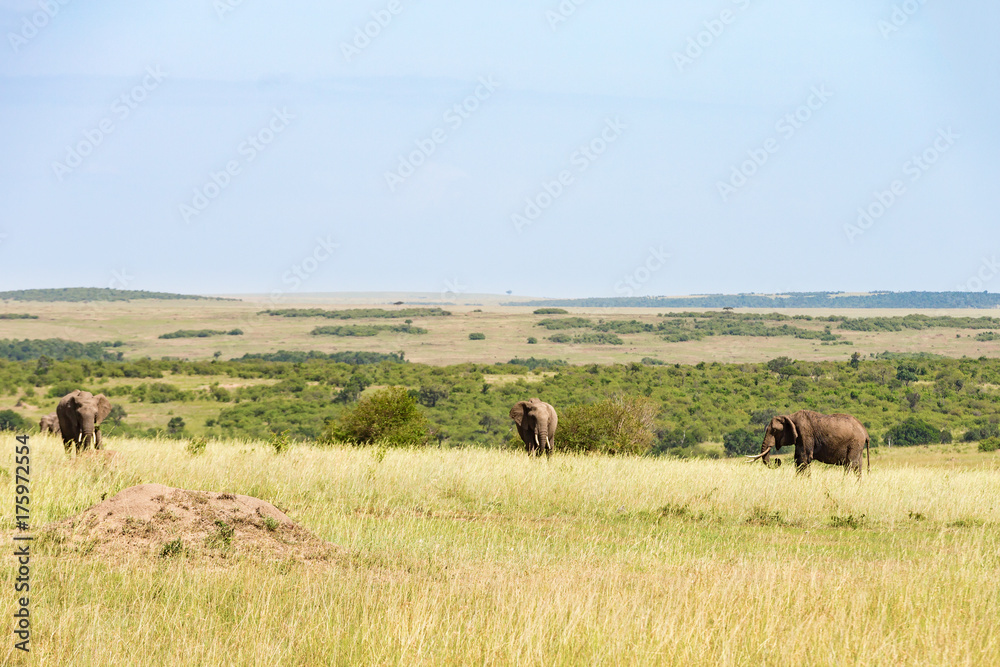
(550, 148)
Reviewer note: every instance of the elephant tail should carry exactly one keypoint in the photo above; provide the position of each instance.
(868, 455)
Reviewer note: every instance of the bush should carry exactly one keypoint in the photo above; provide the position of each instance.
(989, 445)
(551, 311)
(280, 442)
(532, 340)
(621, 424)
(477, 336)
(741, 442)
(11, 421)
(945, 437)
(981, 432)
(388, 415)
(913, 431)
(175, 427)
(196, 446)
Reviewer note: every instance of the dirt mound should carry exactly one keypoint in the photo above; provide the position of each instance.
(161, 521)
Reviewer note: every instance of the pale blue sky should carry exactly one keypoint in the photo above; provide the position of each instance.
(329, 128)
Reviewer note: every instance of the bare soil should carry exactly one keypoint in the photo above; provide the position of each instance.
(157, 521)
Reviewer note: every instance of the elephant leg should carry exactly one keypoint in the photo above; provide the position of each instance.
(97, 439)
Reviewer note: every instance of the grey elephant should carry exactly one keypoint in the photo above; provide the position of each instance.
(49, 424)
(837, 439)
(536, 424)
(80, 415)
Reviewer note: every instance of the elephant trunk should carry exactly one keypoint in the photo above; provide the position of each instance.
(765, 449)
(541, 434)
(87, 433)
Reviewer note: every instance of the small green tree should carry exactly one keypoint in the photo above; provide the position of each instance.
(913, 431)
(388, 415)
(622, 424)
(477, 336)
(742, 441)
(429, 395)
(11, 421)
(175, 427)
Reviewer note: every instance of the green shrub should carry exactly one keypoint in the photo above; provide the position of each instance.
(11, 421)
(388, 415)
(622, 424)
(477, 336)
(912, 431)
(741, 442)
(989, 445)
(532, 340)
(172, 548)
(280, 442)
(196, 446)
(551, 311)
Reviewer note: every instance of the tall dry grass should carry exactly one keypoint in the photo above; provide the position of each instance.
(486, 557)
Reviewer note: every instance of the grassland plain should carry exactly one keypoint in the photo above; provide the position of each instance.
(470, 556)
(139, 324)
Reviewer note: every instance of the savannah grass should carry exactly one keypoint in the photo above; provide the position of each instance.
(470, 556)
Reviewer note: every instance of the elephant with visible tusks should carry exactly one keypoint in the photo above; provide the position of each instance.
(536, 424)
(834, 439)
(80, 415)
(49, 424)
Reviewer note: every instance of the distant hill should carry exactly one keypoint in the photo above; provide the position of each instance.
(94, 294)
(790, 300)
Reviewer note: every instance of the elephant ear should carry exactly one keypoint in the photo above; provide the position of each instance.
(103, 407)
(517, 412)
(71, 400)
(791, 429)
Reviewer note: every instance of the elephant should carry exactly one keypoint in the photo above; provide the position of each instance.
(833, 439)
(536, 424)
(80, 416)
(49, 423)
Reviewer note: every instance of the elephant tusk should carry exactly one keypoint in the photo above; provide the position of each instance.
(761, 455)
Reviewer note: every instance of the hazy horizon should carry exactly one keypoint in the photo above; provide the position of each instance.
(566, 149)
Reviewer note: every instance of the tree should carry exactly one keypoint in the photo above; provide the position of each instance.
(175, 427)
(799, 386)
(913, 431)
(11, 421)
(352, 389)
(913, 398)
(855, 361)
(621, 424)
(117, 414)
(429, 395)
(741, 441)
(906, 373)
(388, 415)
